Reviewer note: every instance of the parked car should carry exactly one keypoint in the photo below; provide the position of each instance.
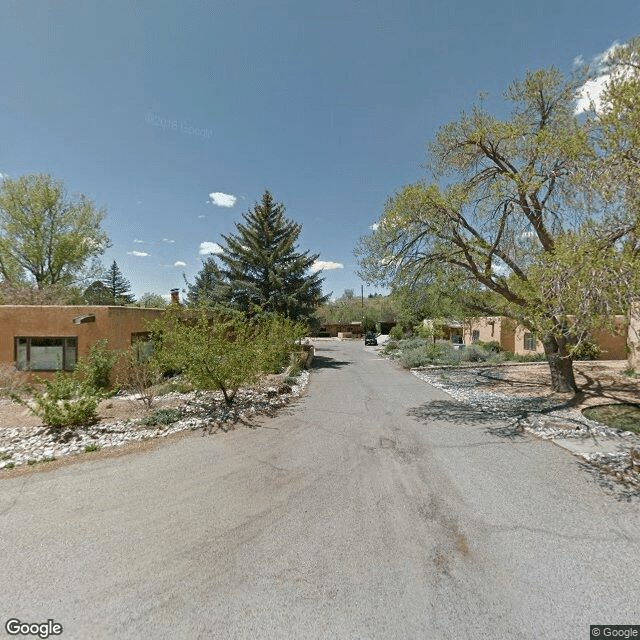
(370, 339)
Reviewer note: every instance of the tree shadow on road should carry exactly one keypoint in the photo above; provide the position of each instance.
(324, 362)
(451, 411)
(603, 477)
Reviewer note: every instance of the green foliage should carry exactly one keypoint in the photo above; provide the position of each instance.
(586, 350)
(118, 287)
(493, 346)
(495, 218)
(149, 300)
(223, 350)
(396, 333)
(95, 369)
(44, 235)
(619, 416)
(373, 309)
(421, 352)
(260, 270)
(97, 294)
(64, 401)
(92, 447)
(163, 416)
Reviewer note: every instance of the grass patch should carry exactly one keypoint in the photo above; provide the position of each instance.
(619, 416)
(6, 456)
(32, 462)
(92, 447)
(10, 465)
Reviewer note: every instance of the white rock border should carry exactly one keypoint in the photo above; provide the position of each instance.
(39, 444)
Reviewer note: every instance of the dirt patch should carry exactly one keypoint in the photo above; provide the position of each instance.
(600, 382)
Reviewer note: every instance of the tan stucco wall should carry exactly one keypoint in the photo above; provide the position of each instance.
(491, 328)
(116, 324)
(511, 339)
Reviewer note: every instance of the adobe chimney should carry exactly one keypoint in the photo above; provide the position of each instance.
(175, 296)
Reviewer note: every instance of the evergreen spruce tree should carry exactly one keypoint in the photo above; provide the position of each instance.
(118, 286)
(260, 269)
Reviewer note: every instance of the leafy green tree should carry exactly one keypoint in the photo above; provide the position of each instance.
(117, 285)
(260, 269)
(223, 349)
(97, 293)
(45, 236)
(500, 205)
(151, 300)
(614, 178)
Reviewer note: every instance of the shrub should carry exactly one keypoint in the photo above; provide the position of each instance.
(396, 333)
(95, 369)
(64, 402)
(140, 377)
(163, 416)
(586, 350)
(11, 380)
(223, 350)
(492, 345)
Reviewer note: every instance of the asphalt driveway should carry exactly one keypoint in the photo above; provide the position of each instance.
(376, 506)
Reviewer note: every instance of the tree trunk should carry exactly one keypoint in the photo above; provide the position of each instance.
(560, 364)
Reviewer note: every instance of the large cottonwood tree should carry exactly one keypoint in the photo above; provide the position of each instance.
(46, 236)
(497, 207)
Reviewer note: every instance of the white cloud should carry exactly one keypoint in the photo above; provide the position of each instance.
(591, 92)
(138, 254)
(169, 241)
(221, 199)
(179, 263)
(322, 265)
(3, 176)
(209, 247)
(138, 241)
(375, 226)
(201, 217)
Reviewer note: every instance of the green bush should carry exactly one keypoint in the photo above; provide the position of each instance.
(163, 416)
(95, 369)
(396, 333)
(491, 345)
(64, 402)
(586, 350)
(223, 350)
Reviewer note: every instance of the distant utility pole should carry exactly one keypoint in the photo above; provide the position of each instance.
(362, 296)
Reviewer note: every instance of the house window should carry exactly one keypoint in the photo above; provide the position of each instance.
(475, 335)
(529, 342)
(456, 338)
(142, 345)
(46, 354)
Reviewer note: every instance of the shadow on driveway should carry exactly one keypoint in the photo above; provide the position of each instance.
(462, 414)
(324, 362)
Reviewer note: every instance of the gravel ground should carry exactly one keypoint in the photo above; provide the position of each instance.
(204, 410)
(544, 418)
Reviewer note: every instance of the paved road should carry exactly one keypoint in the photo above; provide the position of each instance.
(375, 507)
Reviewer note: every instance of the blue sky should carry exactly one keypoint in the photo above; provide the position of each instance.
(149, 107)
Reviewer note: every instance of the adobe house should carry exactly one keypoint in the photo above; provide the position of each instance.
(515, 338)
(44, 339)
